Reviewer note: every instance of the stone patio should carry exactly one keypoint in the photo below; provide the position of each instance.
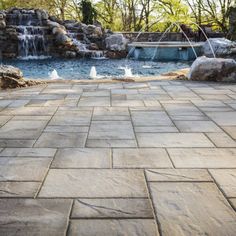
(105, 159)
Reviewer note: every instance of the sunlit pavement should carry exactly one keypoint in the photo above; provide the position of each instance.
(150, 158)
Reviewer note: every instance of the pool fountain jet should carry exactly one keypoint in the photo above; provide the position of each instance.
(128, 71)
(54, 75)
(93, 73)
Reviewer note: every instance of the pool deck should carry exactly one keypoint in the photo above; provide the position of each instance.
(106, 159)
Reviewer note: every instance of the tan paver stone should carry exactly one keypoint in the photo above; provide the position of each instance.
(94, 183)
(112, 208)
(18, 189)
(173, 140)
(141, 158)
(231, 130)
(129, 227)
(192, 209)
(82, 158)
(178, 175)
(226, 178)
(203, 157)
(37, 217)
(23, 169)
(221, 139)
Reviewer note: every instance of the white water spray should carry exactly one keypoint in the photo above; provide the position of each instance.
(128, 71)
(54, 75)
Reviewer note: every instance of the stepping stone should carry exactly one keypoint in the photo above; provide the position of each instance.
(173, 140)
(178, 175)
(82, 158)
(34, 216)
(128, 227)
(226, 179)
(192, 209)
(112, 208)
(141, 158)
(102, 183)
(203, 157)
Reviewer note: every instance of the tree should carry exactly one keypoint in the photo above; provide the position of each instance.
(89, 13)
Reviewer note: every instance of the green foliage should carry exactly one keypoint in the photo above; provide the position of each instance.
(134, 15)
(88, 12)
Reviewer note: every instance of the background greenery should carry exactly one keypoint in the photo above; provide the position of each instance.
(134, 15)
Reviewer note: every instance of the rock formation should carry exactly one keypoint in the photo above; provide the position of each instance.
(213, 69)
(34, 33)
(12, 77)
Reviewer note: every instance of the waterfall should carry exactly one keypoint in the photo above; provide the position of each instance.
(31, 42)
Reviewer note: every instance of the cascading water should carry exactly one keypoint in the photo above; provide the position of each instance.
(31, 42)
(30, 33)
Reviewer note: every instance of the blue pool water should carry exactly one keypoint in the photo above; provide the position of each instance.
(80, 68)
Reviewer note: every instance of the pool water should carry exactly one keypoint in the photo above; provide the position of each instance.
(80, 68)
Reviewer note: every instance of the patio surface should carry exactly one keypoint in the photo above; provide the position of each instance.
(107, 159)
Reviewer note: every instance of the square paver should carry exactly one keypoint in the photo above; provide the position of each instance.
(94, 183)
(34, 217)
(112, 208)
(203, 157)
(61, 140)
(192, 209)
(141, 158)
(82, 158)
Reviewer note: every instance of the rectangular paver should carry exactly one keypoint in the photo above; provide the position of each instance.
(112, 208)
(141, 158)
(94, 183)
(173, 140)
(82, 158)
(192, 209)
(203, 157)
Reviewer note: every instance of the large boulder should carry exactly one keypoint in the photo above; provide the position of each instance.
(116, 42)
(220, 46)
(213, 69)
(12, 77)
